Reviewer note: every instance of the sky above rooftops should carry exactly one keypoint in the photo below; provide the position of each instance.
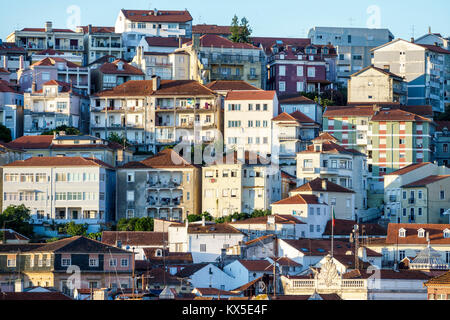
(289, 18)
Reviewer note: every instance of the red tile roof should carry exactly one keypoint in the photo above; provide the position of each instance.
(321, 247)
(279, 219)
(426, 181)
(49, 62)
(113, 68)
(397, 115)
(223, 228)
(318, 185)
(231, 85)
(43, 30)
(286, 262)
(329, 147)
(98, 29)
(443, 279)
(261, 239)
(6, 86)
(215, 41)
(167, 88)
(339, 112)
(345, 227)
(161, 16)
(168, 258)
(58, 162)
(211, 29)
(165, 159)
(257, 265)
(32, 142)
(12, 235)
(387, 274)
(2, 70)
(409, 168)
(295, 99)
(434, 48)
(250, 95)
(165, 42)
(296, 116)
(325, 136)
(299, 199)
(379, 70)
(135, 238)
(436, 232)
(11, 47)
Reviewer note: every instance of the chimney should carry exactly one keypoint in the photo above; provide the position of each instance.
(48, 26)
(412, 40)
(429, 30)
(156, 83)
(203, 221)
(155, 12)
(90, 28)
(5, 62)
(33, 86)
(180, 43)
(21, 63)
(195, 41)
(187, 223)
(362, 253)
(324, 184)
(18, 285)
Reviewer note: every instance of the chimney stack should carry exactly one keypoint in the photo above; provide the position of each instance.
(203, 221)
(429, 30)
(90, 28)
(48, 26)
(33, 86)
(412, 40)
(324, 184)
(5, 62)
(21, 63)
(156, 83)
(18, 285)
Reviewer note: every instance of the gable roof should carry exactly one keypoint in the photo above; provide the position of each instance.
(257, 265)
(250, 95)
(190, 270)
(135, 238)
(398, 115)
(300, 199)
(9, 234)
(211, 29)
(160, 16)
(443, 279)
(231, 85)
(51, 61)
(171, 258)
(436, 232)
(171, 42)
(167, 87)
(214, 292)
(98, 29)
(322, 247)
(352, 111)
(6, 86)
(167, 158)
(318, 184)
(408, 169)
(78, 244)
(215, 41)
(223, 228)
(295, 99)
(390, 74)
(113, 68)
(58, 162)
(426, 181)
(296, 116)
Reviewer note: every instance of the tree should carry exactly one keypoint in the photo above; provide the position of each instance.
(5, 134)
(135, 224)
(115, 137)
(240, 33)
(144, 224)
(74, 229)
(199, 217)
(70, 131)
(17, 218)
(261, 213)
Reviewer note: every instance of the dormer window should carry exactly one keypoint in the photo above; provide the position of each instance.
(447, 233)
(158, 253)
(421, 233)
(120, 66)
(402, 233)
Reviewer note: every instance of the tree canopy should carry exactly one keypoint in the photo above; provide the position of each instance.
(71, 131)
(17, 218)
(5, 134)
(240, 33)
(135, 224)
(120, 139)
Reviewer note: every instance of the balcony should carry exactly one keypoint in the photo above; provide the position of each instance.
(221, 76)
(163, 185)
(283, 137)
(252, 77)
(326, 170)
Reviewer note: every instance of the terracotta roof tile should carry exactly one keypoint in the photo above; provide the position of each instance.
(43, 30)
(436, 232)
(295, 116)
(165, 159)
(215, 41)
(398, 115)
(165, 42)
(6, 86)
(250, 95)
(58, 162)
(161, 16)
(11, 47)
(113, 68)
(318, 185)
(78, 244)
(295, 99)
(211, 29)
(426, 181)
(135, 238)
(339, 112)
(322, 247)
(434, 48)
(443, 279)
(215, 292)
(52, 62)
(190, 270)
(379, 70)
(299, 199)
(257, 265)
(223, 228)
(279, 219)
(409, 168)
(96, 29)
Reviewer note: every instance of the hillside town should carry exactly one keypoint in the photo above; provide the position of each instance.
(159, 158)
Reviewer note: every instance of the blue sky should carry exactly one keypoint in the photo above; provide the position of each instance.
(289, 18)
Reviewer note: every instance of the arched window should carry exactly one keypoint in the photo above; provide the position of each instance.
(402, 233)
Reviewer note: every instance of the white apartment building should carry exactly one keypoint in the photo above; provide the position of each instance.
(152, 114)
(239, 183)
(137, 24)
(346, 167)
(203, 240)
(12, 59)
(61, 190)
(247, 121)
(353, 46)
(422, 66)
(57, 104)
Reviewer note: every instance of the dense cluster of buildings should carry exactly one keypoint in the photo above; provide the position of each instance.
(177, 121)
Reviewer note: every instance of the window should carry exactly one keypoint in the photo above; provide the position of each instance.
(130, 177)
(300, 87)
(402, 232)
(420, 211)
(442, 195)
(421, 233)
(11, 263)
(311, 72)
(282, 86)
(318, 211)
(130, 196)
(401, 255)
(124, 262)
(318, 228)
(203, 248)
(113, 262)
(311, 228)
(420, 194)
(282, 70)
(300, 71)
(93, 262)
(66, 262)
